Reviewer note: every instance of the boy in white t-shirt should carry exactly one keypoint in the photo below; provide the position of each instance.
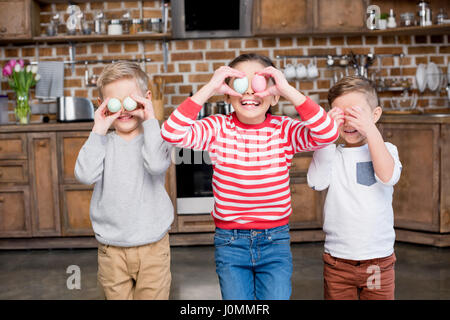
(360, 174)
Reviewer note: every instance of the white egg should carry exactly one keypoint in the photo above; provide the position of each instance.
(114, 105)
(129, 104)
(240, 85)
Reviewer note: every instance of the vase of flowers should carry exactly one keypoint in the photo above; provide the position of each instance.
(21, 79)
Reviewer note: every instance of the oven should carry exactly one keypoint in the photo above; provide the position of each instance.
(194, 182)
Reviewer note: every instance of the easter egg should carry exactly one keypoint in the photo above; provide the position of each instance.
(129, 104)
(259, 83)
(114, 105)
(240, 85)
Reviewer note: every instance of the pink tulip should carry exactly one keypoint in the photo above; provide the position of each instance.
(7, 70)
(12, 63)
(21, 63)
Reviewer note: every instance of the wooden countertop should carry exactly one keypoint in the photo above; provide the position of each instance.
(87, 126)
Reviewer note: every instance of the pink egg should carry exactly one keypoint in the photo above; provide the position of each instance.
(259, 83)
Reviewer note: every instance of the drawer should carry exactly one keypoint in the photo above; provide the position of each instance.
(14, 171)
(13, 146)
(196, 223)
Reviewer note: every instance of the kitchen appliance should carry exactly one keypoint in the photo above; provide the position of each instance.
(194, 182)
(74, 109)
(211, 19)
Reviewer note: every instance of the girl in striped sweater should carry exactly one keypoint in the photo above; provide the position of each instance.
(251, 151)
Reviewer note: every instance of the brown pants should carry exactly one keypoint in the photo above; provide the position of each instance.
(372, 279)
(141, 272)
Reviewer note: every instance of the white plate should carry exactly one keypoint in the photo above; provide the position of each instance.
(448, 73)
(433, 76)
(421, 78)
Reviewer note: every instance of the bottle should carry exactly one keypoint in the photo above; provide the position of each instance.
(391, 19)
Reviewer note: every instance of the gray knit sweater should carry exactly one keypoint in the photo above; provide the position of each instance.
(129, 205)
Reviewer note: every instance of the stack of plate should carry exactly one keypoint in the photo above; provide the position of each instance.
(421, 77)
(434, 75)
(429, 75)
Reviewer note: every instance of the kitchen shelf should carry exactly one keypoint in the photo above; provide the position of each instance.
(91, 38)
(415, 30)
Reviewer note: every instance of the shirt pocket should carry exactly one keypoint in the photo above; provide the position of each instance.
(365, 174)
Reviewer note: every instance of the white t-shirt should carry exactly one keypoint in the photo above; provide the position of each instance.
(358, 214)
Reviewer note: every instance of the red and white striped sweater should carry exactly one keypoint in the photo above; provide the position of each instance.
(250, 162)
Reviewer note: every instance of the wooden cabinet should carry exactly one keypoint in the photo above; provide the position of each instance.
(339, 15)
(15, 218)
(421, 197)
(308, 16)
(19, 19)
(75, 197)
(286, 17)
(416, 195)
(44, 182)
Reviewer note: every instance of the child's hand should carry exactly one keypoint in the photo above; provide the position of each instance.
(147, 111)
(217, 85)
(102, 122)
(217, 81)
(361, 119)
(337, 115)
(281, 87)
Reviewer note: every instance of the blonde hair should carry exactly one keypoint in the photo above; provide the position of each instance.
(354, 84)
(122, 70)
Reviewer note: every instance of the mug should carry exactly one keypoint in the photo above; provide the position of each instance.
(289, 72)
(300, 71)
(312, 71)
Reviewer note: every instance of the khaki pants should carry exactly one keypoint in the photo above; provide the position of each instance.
(372, 279)
(141, 272)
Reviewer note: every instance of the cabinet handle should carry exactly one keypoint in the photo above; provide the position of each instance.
(2, 199)
(3, 30)
(389, 134)
(1, 174)
(283, 24)
(42, 144)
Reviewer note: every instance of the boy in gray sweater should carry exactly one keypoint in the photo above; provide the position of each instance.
(130, 209)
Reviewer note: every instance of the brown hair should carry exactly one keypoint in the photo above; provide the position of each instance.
(122, 70)
(354, 84)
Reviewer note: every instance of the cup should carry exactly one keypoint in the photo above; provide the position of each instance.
(301, 72)
(312, 71)
(289, 72)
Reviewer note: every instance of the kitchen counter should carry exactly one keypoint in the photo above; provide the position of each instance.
(84, 126)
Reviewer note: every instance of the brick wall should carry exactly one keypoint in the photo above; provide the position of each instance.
(192, 62)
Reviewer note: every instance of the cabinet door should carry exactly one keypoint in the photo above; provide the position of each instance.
(70, 144)
(416, 195)
(44, 184)
(306, 205)
(445, 178)
(18, 19)
(15, 212)
(13, 146)
(76, 200)
(282, 17)
(339, 15)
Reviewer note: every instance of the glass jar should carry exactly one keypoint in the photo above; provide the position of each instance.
(156, 25)
(115, 27)
(407, 19)
(100, 23)
(137, 26)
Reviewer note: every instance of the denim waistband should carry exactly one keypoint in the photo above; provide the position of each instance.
(251, 232)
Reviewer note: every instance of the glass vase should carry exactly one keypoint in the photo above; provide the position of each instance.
(22, 109)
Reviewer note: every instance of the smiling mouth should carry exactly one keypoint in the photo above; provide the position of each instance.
(125, 117)
(250, 104)
(350, 131)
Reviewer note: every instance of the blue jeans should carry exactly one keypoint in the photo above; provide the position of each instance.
(254, 264)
